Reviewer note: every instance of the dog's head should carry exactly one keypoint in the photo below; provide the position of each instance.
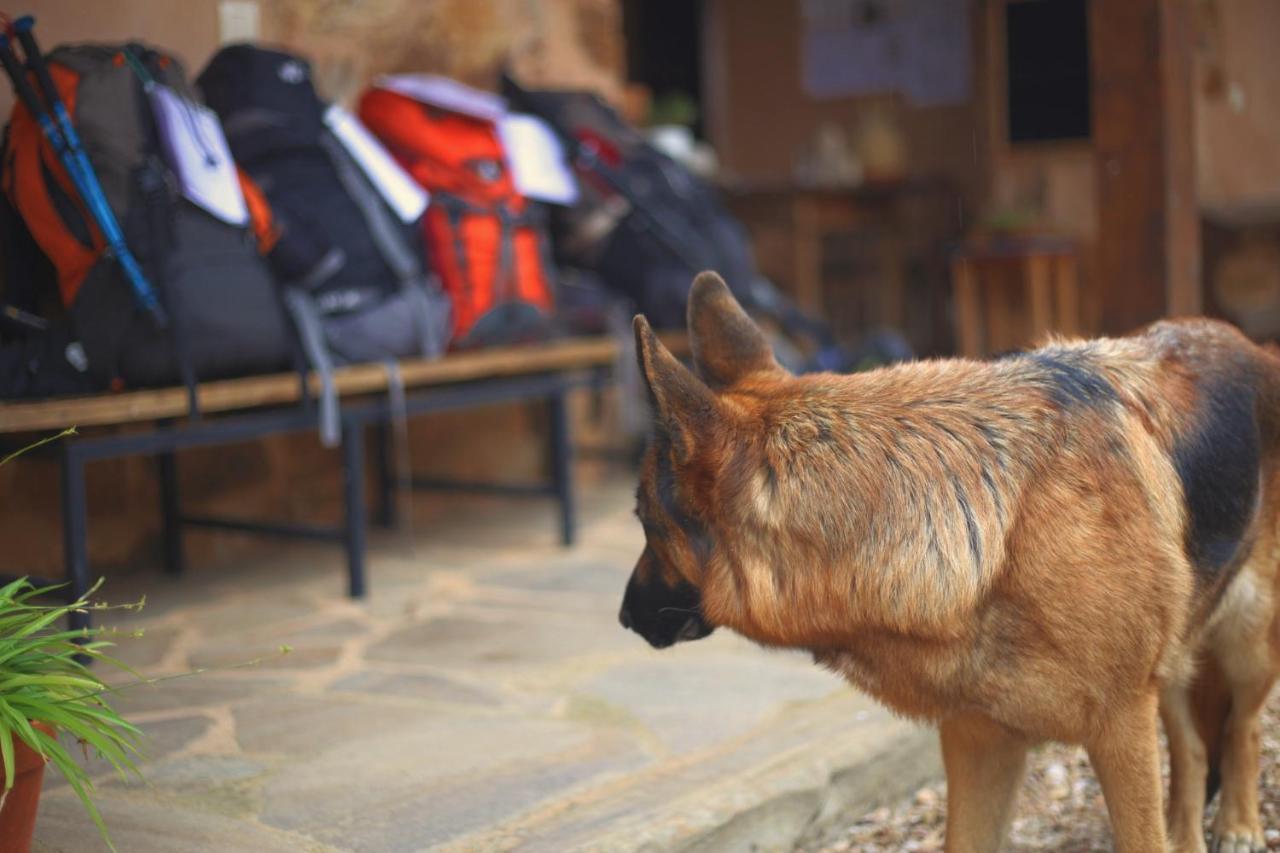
(691, 437)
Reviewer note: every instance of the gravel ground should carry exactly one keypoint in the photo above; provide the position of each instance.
(1060, 807)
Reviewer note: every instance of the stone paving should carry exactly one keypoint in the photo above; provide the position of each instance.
(482, 698)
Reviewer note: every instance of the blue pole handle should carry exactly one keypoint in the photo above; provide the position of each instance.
(86, 180)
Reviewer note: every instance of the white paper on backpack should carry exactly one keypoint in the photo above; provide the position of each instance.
(395, 185)
(197, 152)
(446, 94)
(538, 164)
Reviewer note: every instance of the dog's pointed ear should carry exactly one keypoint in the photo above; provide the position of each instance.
(683, 406)
(727, 344)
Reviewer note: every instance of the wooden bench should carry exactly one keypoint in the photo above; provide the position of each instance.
(238, 410)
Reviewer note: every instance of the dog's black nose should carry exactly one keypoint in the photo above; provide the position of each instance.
(625, 618)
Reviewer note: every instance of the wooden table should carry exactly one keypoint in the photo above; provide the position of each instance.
(860, 257)
(1045, 298)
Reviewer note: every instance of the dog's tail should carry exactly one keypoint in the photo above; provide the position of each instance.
(1211, 705)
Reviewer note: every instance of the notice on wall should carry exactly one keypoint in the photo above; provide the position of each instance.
(920, 48)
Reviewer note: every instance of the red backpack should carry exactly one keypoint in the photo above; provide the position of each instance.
(487, 242)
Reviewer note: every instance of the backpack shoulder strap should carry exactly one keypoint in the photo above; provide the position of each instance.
(387, 236)
(382, 226)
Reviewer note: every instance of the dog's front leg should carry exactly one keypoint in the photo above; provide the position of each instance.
(1125, 756)
(984, 763)
(1188, 769)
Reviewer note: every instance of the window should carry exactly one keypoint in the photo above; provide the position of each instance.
(1047, 47)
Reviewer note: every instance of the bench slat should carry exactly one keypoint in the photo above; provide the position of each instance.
(280, 388)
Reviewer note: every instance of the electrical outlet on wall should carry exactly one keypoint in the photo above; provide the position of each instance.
(239, 20)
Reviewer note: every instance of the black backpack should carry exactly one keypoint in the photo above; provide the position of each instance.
(340, 241)
(39, 357)
(351, 269)
(225, 315)
(643, 223)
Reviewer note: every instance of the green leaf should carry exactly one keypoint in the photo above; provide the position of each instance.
(6, 757)
(13, 682)
(26, 731)
(15, 454)
(79, 781)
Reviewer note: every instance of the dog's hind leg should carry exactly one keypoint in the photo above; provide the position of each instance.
(1238, 826)
(1125, 755)
(1188, 770)
(984, 763)
(1246, 651)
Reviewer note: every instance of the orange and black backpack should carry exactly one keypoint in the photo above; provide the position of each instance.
(225, 316)
(486, 241)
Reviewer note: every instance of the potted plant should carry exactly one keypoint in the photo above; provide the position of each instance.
(48, 692)
(18, 804)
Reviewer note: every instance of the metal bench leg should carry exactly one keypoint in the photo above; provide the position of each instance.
(75, 532)
(175, 562)
(386, 514)
(353, 489)
(561, 459)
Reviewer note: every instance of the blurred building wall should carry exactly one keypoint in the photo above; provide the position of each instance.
(1238, 106)
(1238, 159)
(761, 120)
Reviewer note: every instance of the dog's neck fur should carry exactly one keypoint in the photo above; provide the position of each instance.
(875, 501)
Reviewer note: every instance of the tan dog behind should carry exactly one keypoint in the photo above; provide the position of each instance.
(1018, 550)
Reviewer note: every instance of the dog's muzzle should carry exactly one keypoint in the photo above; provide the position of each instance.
(663, 615)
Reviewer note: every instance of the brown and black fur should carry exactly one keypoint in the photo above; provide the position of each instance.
(1044, 546)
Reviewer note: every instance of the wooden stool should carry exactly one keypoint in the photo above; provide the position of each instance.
(1045, 270)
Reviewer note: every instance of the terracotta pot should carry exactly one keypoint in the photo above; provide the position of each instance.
(18, 807)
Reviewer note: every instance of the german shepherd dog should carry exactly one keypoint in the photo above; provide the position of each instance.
(1067, 544)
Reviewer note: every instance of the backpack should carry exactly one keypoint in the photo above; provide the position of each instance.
(38, 357)
(643, 223)
(645, 226)
(225, 318)
(488, 242)
(350, 263)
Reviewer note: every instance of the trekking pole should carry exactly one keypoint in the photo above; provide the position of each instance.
(66, 142)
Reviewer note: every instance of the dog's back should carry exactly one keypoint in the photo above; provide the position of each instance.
(1211, 399)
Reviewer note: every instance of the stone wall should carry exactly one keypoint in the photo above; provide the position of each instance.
(575, 43)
